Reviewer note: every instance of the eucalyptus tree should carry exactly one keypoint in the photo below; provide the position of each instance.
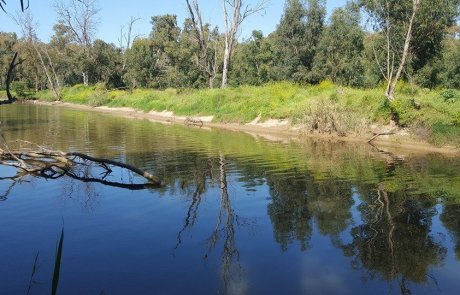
(108, 64)
(449, 75)
(340, 51)
(206, 38)
(79, 17)
(39, 51)
(413, 32)
(297, 37)
(142, 60)
(235, 13)
(165, 38)
(253, 61)
(7, 45)
(13, 64)
(127, 38)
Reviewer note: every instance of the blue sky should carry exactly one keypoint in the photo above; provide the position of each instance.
(115, 13)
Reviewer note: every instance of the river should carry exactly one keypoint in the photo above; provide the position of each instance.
(238, 214)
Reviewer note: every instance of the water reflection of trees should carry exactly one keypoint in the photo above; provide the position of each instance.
(450, 217)
(395, 242)
(391, 241)
(389, 226)
(227, 221)
(297, 202)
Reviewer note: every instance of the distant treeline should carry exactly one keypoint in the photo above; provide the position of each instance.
(360, 45)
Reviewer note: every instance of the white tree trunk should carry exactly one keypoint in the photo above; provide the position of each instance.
(85, 78)
(392, 79)
(226, 66)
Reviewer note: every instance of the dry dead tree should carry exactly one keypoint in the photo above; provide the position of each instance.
(40, 161)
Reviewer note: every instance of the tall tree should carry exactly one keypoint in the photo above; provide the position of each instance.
(413, 31)
(142, 60)
(235, 13)
(165, 37)
(79, 17)
(206, 38)
(253, 60)
(339, 55)
(391, 17)
(126, 40)
(108, 63)
(297, 38)
(7, 43)
(28, 27)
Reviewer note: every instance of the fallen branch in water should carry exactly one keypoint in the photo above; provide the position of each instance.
(380, 134)
(193, 122)
(53, 164)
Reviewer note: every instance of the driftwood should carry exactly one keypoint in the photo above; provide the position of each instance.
(189, 121)
(50, 164)
(379, 134)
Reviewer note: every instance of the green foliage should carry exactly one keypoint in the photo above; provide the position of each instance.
(339, 56)
(20, 88)
(451, 95)
(449, 75)
(383, 113)
(252, 61)
(297, 37)
(101, 86)
(98, 98)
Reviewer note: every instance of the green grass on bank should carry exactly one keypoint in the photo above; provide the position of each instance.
(433, 115)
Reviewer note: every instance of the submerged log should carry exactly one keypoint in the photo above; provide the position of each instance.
(52, 164)
(189, 121)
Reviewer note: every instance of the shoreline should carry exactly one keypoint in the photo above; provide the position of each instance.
(273, 130)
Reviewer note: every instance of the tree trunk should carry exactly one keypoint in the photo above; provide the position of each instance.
(211, 82)
(9, 77)
(48, 76)
(392, 82)
(85, 78)
(226, 65)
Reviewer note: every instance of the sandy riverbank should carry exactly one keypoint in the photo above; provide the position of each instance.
(271, 129)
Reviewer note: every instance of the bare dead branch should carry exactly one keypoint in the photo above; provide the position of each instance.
(50, 164)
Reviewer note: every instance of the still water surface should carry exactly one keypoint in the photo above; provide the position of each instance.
(238, 214)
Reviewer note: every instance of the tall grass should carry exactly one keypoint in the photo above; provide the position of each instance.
(353, 109)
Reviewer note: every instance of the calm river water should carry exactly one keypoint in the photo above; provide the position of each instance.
(238, 214)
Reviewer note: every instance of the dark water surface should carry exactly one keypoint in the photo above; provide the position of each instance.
(238, 214)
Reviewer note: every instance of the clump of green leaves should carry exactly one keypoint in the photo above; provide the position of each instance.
(450, 95)
(20, 88)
